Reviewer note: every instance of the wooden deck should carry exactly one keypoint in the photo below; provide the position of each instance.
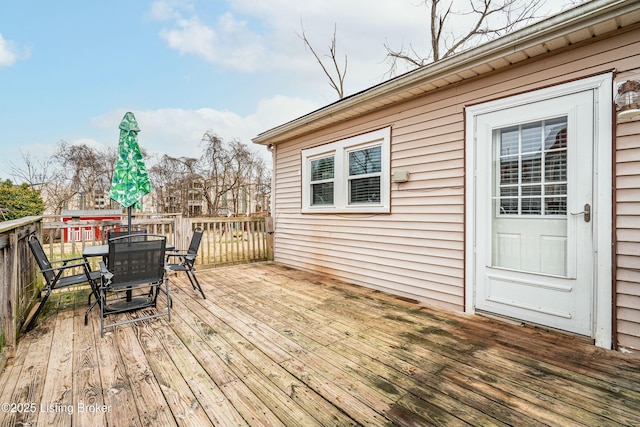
(272, 346)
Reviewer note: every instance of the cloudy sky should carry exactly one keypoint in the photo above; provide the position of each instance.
(70, 69)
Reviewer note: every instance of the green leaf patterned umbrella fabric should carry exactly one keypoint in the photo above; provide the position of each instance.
(130, 177)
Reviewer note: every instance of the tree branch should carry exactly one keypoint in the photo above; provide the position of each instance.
(492, 18)
(338, 83)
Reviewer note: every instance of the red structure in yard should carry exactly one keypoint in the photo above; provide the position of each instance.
(87, 232)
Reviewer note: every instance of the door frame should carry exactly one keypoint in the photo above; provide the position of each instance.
(602, 85)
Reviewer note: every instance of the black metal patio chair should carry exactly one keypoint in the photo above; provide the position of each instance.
(57, 275)
(132, 278)
(186, 260)
(121, 230)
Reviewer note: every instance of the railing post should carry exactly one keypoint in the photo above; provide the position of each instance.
(268, 223)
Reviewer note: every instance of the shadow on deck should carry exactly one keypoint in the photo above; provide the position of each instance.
(273, 346)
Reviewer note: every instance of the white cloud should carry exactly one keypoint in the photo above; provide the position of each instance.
(229, 42)
(192, 37)
(8, 52)
(259, 37)
(178, 132)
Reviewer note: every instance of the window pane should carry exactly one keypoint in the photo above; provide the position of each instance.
(531, 190)
(364, 190)
(365, 161)
(532, 137)
(509, 170)
(555, 189)
(555, 166)
(509, 206)
(555, 206)
(322, 169)
(322, 194)
(509, 141)
(556, 133)
(509, 191)
(532, 168)
(531, 206)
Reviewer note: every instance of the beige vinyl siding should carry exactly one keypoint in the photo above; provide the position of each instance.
(628, 227)
(417, 250)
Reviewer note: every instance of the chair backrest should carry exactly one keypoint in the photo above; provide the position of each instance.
(111, 234)
(136, 258)
(195, 241)
(41, 259)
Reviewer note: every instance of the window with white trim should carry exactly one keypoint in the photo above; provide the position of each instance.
(350, 175)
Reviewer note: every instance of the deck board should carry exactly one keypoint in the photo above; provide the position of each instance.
(274, 346)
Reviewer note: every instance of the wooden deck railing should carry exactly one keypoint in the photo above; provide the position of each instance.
(19, 280)
(225, 241)
(233, 240)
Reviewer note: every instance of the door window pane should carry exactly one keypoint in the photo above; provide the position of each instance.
(529, 225)
(532, 156)
(509, 170)
(532, 137)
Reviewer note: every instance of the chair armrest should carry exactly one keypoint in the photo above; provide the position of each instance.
(66, 260)
(106, 274)
(180, 257)
(177, 254)
(65, 267)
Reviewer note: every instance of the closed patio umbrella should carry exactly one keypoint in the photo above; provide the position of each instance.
(130, 177)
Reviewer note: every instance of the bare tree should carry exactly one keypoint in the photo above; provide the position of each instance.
(34, 171)
(85, 170)
(488, 19)
(218, 164)
(261, 178)
(337, 82)
(43, 174)
(172, 177)
(231, 172)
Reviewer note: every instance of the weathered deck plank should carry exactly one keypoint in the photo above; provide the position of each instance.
(58, 383)
(273, 346)
(117, 392)
(88, 386)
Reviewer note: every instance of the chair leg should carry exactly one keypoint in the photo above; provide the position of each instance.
(197, 284)
(86, 314)
(38, 310)
(102, 313)
(169, 301)
(188, 273)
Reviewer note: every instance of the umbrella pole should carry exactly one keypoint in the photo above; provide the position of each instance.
(129, 292)
(129, 219)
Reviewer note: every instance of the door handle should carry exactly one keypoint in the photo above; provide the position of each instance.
(586, 212)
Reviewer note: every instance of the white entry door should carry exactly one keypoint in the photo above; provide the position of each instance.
(534, 216)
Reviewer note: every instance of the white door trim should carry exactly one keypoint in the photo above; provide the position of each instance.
(602, 210)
